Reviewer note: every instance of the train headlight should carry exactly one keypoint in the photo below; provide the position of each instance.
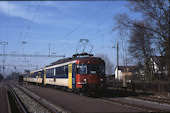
(83, 81)
(101, 80)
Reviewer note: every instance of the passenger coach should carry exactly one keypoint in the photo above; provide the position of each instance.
(81, 73)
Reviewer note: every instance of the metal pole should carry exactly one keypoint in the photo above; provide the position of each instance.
(3, 61)
(117, 57)
(117, 53)
(49, 49)
(23, 51)
(26, 78)
(117, 64)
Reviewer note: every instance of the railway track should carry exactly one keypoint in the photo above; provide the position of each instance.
(134, 105)
(30, 101)
(153, 99)
(20, 105)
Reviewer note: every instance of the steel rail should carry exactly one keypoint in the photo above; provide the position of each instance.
(153, 99)
(23, 110)
(52, 110)
(148, 109)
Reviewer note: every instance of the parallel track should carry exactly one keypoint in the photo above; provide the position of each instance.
(144, 108)
(46, 106)
(153, 99)
(19, 103)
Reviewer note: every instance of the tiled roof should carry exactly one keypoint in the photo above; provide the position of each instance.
(130, 68)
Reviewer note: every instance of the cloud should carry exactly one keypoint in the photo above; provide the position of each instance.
(13, 10)
(61, 14)
(45, 15)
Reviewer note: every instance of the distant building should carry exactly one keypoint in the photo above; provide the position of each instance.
(158, 65)
(128, 71)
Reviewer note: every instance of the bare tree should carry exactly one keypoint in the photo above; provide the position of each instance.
(155, 25)
(141, 46)
(108, 64)
(1, 77)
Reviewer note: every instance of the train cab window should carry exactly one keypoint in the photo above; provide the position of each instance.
(93, 69)
(81, 69)
(96, 69)
(101, 69)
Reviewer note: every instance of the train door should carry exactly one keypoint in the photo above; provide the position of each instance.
(73, 75)
(54, 74)
(44, 77)
(39, 78)
(70, 76)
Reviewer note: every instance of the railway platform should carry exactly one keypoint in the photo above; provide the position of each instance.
(77, 103)
(4, 103)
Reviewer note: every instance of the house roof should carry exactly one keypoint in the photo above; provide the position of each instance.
(129, 68)
(159, 60)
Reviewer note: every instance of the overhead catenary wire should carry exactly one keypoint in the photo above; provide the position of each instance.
(23, 34)
(83, 23)
(88, 31)
(105, 6)
(23, 30)
(68, 46)
(91, 38)
(29, 25)
(8, 23)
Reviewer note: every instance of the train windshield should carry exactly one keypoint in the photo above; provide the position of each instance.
(90, 69)
(81, 69)
(96, 69)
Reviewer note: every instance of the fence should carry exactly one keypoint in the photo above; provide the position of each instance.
(157, 86)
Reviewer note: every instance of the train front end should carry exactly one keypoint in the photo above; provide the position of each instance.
(90, 75)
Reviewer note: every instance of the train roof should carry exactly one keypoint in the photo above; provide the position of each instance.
(37, 70)
(75, 57)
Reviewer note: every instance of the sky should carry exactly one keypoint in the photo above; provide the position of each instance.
(56, 27)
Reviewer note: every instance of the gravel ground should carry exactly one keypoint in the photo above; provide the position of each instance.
(57, 108)
(30, 104)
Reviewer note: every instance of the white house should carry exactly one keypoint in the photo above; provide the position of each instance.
(159, 66)
(127, 71)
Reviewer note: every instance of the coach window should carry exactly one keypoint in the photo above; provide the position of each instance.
(47, 72)
(56, 71)
(65, 71)
(36, 74)
(59, 71)
(31, 75)
(62, 71)
(52, 72)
